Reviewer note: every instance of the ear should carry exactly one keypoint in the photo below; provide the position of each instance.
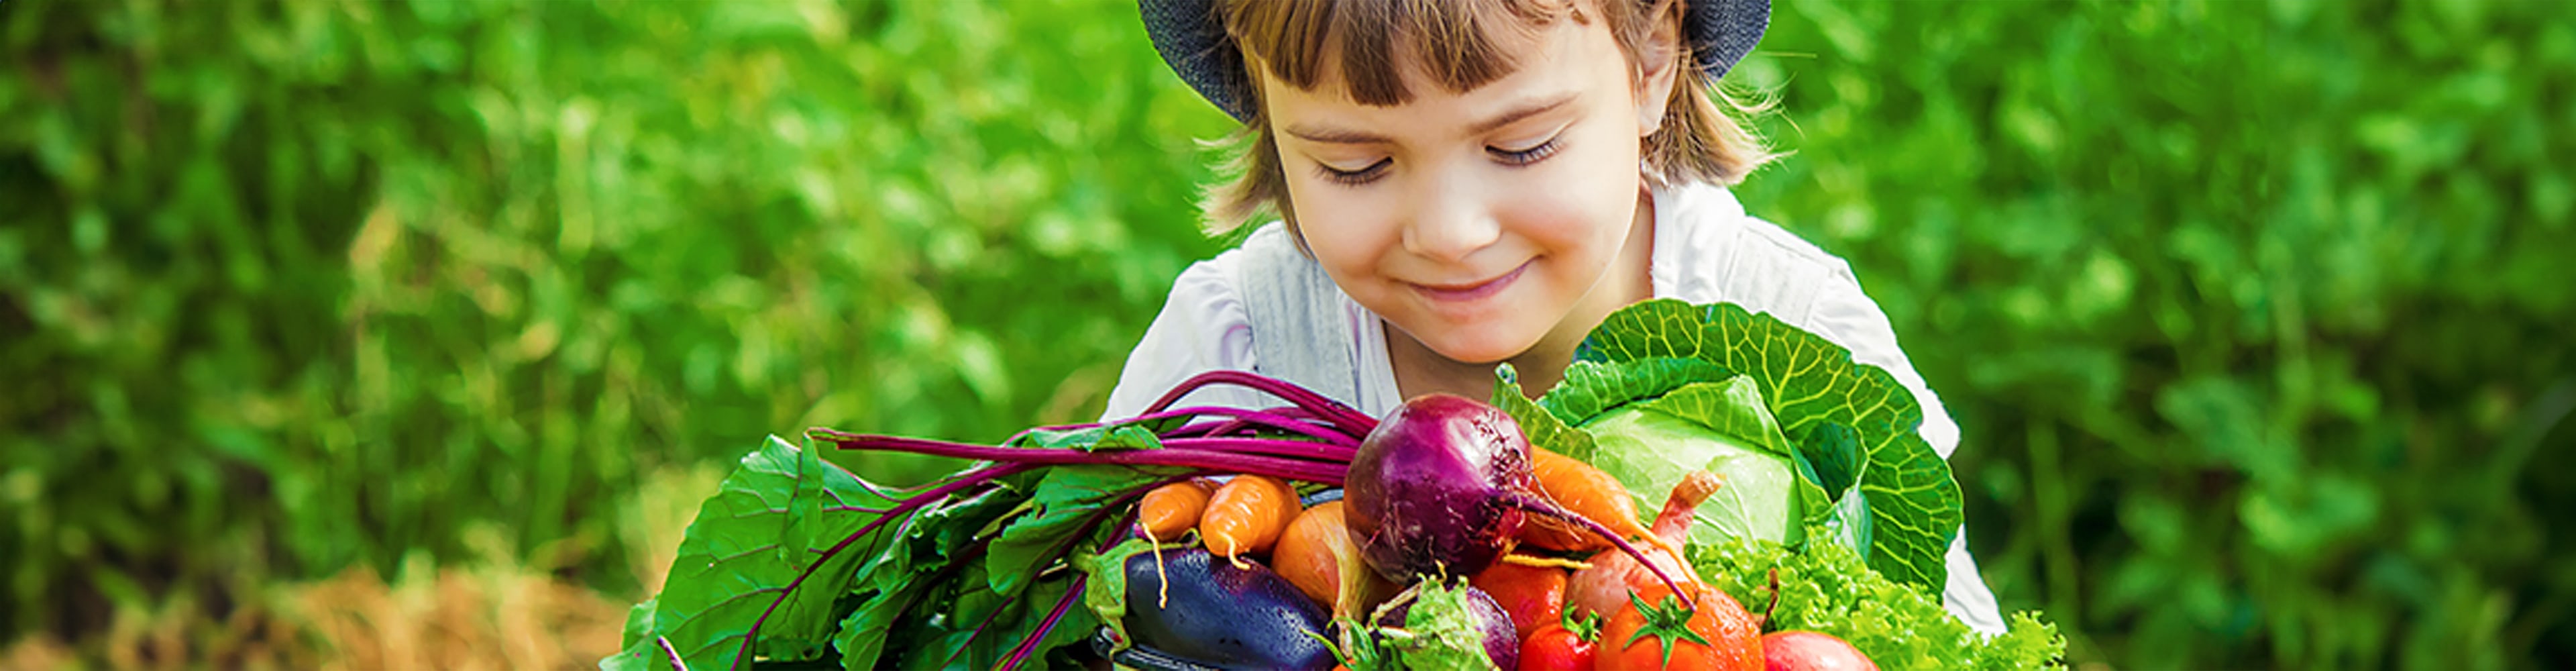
(1658, 66)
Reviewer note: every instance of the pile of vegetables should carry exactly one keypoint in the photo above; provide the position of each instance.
(1797, 516)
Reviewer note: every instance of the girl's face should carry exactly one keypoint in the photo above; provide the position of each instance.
(1485, 223)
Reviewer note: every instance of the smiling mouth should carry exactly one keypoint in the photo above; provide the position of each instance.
(1470, 292)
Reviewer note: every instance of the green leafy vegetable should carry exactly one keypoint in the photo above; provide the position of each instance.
(754, 532)
(1440, 631)
(1537, 424)
(795, 559)
(1904, 508)
(1106, 591)
(1831, 457)
(897, 577)
(1827, 588)
(1592, 387)
(1718, 427)
(1062, 502)
(1359, 649)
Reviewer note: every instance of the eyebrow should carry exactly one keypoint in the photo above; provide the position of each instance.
(1330, 135)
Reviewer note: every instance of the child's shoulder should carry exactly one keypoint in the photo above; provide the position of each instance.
(1709, 249)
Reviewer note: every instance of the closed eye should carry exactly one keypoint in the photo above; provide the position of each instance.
(1521, 157)
(1355, 177)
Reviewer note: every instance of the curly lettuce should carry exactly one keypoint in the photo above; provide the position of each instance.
(1827, 588)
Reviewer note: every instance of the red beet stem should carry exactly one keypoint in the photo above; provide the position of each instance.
(1274, 447)
(1536, 506)
(1330, 410)
(1072, 593)
(1209, 457)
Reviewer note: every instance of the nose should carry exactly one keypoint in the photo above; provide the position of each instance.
(1451, 218)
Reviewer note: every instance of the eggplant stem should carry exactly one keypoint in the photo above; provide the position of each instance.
(1534, 505)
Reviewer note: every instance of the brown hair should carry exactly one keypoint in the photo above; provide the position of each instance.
(1455, 41)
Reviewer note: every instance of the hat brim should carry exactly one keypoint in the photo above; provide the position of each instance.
(1191, 37)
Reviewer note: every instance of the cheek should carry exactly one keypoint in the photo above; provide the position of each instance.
(1585, 201)
(1339, 227)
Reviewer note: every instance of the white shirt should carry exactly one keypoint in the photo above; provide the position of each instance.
(1706, 250)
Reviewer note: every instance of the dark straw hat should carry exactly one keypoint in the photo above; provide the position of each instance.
(1192, 39)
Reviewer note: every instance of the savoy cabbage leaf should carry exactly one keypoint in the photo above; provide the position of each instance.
(1904, 491)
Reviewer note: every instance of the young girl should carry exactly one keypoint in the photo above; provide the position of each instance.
(1465, 183)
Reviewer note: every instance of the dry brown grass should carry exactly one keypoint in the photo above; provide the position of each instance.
(496, 612)
(483, 617)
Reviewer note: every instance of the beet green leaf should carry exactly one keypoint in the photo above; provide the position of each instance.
(750, 561)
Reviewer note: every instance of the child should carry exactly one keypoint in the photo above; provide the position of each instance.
(1466, 183)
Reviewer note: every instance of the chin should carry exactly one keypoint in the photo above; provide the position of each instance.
(1481, 351)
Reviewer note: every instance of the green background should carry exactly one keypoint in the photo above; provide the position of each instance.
(2256, 315)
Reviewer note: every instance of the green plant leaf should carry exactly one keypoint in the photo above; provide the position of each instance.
(966, 625)
(1913, 503)
(734, 566)
(1825, 587)
(1830, 456)
(897, 575)
(1105, 594)
(1537, 424)
(1440, 631)
(1719, 427)
(1060, 504)
(1591, 387)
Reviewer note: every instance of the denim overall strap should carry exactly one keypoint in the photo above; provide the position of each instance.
(1301, 330)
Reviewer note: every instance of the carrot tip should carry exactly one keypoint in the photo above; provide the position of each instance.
(1163, 591)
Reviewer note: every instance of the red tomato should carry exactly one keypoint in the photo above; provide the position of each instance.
(1656, 632)
(1561, 646)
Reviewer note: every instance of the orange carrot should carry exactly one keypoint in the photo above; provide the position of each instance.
(1246, 515)
(1171, 509)
(1583, 490)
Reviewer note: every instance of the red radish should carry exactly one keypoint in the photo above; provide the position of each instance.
(1811, 651)
(1441, 487)
(1604, 588)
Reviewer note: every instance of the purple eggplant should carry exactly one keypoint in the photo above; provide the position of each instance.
(1222, 616)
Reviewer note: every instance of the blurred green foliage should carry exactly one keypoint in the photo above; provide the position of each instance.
(2255, 313)
(296, 285)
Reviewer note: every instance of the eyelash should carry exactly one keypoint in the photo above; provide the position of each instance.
(1370, 174)
(1526, 156)
(1355, 177)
